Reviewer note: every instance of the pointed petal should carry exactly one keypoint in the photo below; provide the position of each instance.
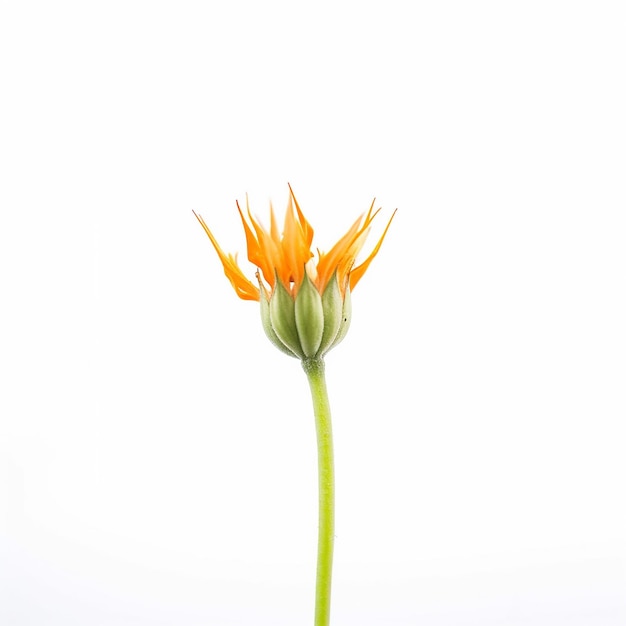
(328, 261)
(242, 286)
(267, 252)
(295, 250)
(357, 272)
(307, 229)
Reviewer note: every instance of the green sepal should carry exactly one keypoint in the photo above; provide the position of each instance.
(346, 316)
(309, 316)
(267, 326)
(333, 310)
(283, 318)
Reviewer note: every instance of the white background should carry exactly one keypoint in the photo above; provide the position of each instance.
(157, 453)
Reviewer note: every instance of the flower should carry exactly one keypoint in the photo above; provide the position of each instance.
(305, 303)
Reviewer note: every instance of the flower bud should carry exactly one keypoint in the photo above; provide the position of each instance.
(308, 326)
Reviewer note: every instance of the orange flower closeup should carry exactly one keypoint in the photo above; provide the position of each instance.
(305, 302)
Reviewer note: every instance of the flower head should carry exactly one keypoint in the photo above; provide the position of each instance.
(305, 302)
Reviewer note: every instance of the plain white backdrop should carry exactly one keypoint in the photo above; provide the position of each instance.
(157, 453)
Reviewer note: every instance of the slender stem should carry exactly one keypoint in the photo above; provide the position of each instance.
(314, 369)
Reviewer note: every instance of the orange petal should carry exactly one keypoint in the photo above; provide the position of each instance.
(307, 229)
(357, 272)
(295, 250)
(243, 287)
(267, 250)
(328, 261)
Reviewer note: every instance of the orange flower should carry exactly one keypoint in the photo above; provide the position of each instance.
(287, 266)
(286, 256)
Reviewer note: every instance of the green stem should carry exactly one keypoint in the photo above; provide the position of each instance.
(314, 369)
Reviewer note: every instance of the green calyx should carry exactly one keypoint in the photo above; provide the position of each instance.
(311, 324)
